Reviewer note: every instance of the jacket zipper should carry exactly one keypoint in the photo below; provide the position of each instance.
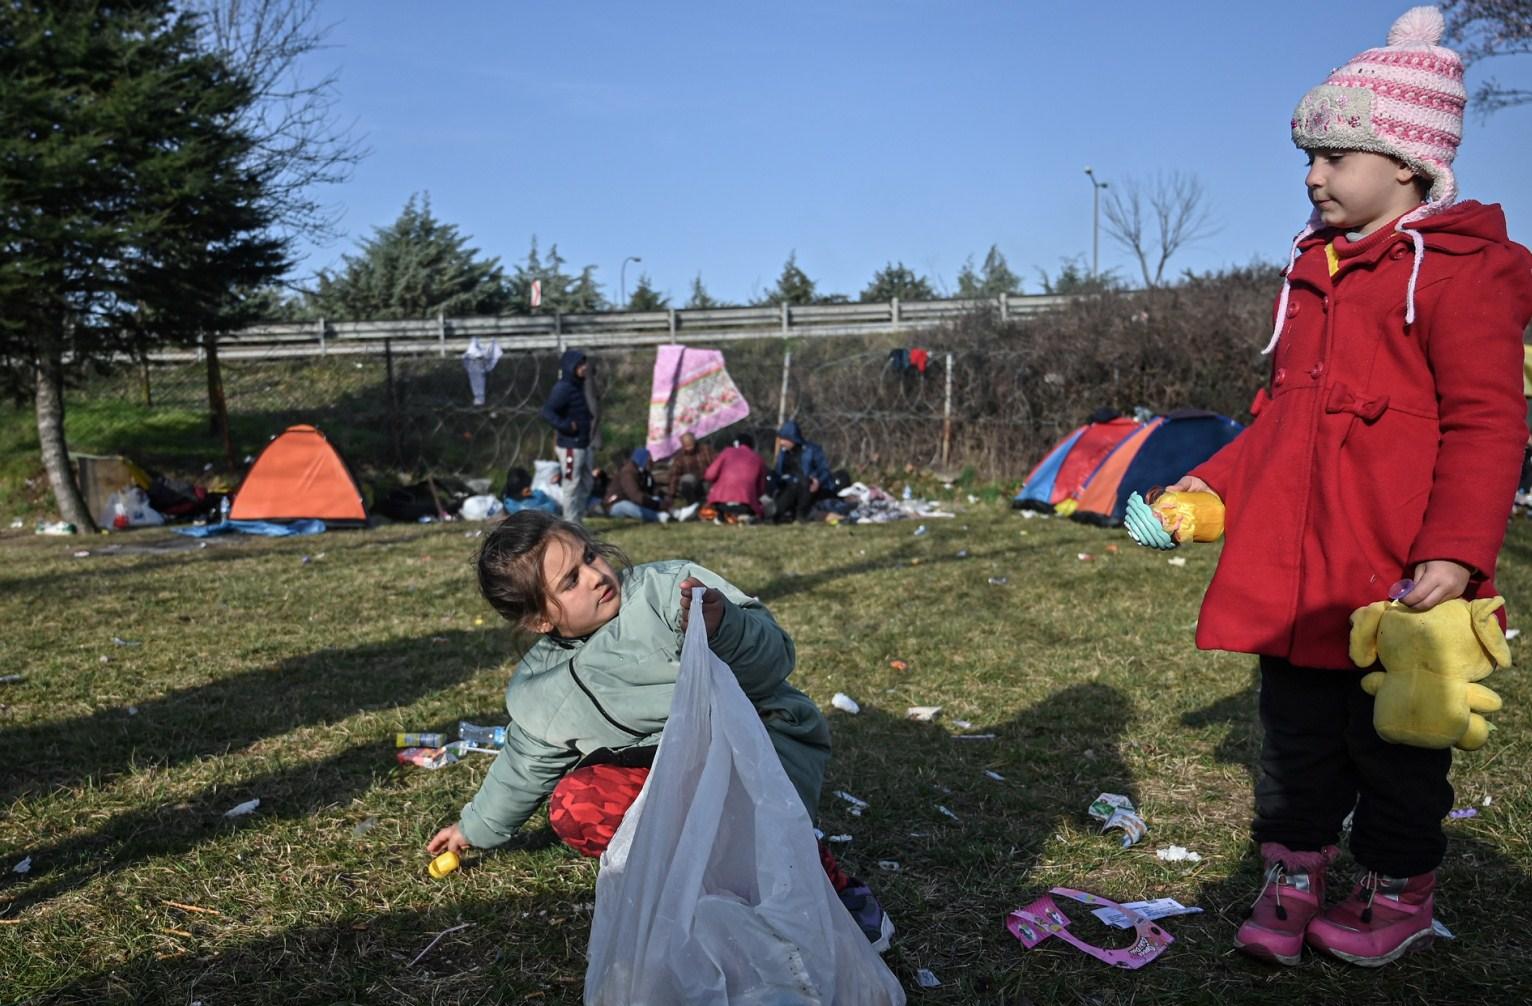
(599, 708)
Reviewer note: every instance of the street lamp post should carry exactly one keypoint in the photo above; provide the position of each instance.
(1095, 221)
(622, 274)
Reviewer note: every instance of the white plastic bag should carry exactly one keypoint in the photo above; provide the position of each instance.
(546, 476)
(132, 505)
(712, 892)
(481, 508)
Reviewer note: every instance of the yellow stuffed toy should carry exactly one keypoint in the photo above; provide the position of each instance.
(1425, 694)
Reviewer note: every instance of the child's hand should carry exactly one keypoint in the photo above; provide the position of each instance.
(449, 839)
(1189, 484)
(713, 603)
(1436, 580)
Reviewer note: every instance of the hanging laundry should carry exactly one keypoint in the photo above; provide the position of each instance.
(692, 393)
(479, 361)
(919, 358)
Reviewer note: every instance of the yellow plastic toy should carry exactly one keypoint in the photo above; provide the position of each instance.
(443, 865)
(1426, 696)
(1190, 516)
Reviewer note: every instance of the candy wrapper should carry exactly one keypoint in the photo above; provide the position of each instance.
(1116, 811)
(1042, 919)
(431, 758)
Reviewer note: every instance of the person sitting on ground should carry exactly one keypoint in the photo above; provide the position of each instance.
(633, 496)
(589, 700)
(519, 494)
(801, 475)
(738, 479)
(688, 468)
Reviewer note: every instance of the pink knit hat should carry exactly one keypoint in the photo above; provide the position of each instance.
(1405, 101)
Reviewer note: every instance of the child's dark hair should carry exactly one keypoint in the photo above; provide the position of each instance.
(510, 563)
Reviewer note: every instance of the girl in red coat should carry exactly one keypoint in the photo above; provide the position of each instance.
(1388, 446)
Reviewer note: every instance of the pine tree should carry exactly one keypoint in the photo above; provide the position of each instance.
(701, 300)
(561, 292)
(129, 214)
(646, 297)
(416, 267)
(895, 280)
(992, 280)
(793, 285)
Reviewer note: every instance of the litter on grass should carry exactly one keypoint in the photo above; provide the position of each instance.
(946, 812)
(1178, 854)
(1041, 919)
(1117, 811)
(1179, 560)
(920, 530)
(364, 827)
(888, 864)
(1082, 556)
(999, 581)
(838, 839)
(1487, 801)
(1159, 908)
(994, 775)
(962, 724)
(1512, 633)
(24, 867)
(899, 665)
(1464, 812)
(1441, 930)
(845, 703)
(12, 679)
(241, 809)
(857, 803)
(926, 978)
(925, 714)
(973, 737)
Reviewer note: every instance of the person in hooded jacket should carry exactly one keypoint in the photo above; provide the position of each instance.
(632, 493)
(1382, 463)
(572, 414)
(800, 476)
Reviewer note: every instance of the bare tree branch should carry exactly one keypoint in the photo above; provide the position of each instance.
(1180, 216)
(298, 143)
(1487, 29)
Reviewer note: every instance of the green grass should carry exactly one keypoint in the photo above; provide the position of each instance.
(255, 674)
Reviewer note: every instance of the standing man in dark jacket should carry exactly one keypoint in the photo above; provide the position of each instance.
(571, 414)
(801, 475)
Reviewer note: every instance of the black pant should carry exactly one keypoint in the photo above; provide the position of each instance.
(689, 489)
(1321, 757)
(794, 500)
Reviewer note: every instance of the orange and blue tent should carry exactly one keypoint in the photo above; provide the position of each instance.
(1156, 454)
(1065, 469)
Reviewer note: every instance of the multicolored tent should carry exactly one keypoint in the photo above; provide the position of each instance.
(1060, 474)
(300, 475)
(1156, 454)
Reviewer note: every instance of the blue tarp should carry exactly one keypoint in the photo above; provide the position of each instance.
(260, 527)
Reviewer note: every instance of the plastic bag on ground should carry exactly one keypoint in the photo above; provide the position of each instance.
(129, 507)
(481, 508)
(712, 892)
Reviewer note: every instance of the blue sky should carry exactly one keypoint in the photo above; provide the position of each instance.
(719, 137)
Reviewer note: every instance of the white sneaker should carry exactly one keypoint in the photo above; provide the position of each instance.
(688, 512)
(664, 517)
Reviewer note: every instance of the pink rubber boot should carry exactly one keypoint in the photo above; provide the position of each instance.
(1290, 899)
(1383, 919)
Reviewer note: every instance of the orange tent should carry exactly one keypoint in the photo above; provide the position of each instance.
(300, 475)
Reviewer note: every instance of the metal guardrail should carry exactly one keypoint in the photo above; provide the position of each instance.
(525, 333)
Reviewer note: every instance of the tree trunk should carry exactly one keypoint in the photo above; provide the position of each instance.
(218, 406)
(50, 436)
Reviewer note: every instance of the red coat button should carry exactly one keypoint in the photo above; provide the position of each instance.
(1292, 308)
(1316, 370)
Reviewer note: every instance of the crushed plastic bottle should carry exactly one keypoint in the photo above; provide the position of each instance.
(55, 527)
(224, 506)
(481, 737)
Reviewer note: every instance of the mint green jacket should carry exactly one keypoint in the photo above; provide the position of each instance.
(609, 693)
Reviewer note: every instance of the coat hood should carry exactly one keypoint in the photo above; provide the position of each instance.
(571, 359)
(790, 431)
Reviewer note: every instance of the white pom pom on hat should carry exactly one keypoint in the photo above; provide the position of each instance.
(1403, 100)
(1418, 26)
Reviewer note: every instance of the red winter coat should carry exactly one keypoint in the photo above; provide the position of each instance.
(1381, 446)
